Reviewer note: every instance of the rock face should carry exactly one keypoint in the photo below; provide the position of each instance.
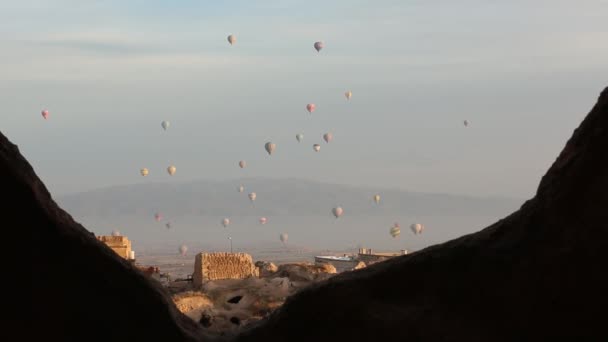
(539, 274)
(265, 268)
(78, 289)
(303, 272)
(360, 265)
(192, 304)
(216, 266)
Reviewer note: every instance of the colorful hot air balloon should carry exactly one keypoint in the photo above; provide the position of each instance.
(377, 199)
(417, 228)
(242, 164)
(395, 230)
(263, 220)
(45, 114)
(328, 137)
(231, 39)
(319, 46)
(115, 233)
(337, 211)
(283, 237)
(270, 147)
(299, 137)
(165, 125)
(466, 123)
(316, 147)
(348, 94)
(144, 172)
(311, 107)
(171, 170)
(183, 249)
(241, 188)
(158, 217)
(225, 222)
(252, 196)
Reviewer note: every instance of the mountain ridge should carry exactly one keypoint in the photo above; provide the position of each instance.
(285, 196)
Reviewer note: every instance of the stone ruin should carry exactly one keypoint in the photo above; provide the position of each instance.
(119, 244)
(215, 266)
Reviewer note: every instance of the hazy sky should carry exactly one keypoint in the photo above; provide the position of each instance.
(524, 73)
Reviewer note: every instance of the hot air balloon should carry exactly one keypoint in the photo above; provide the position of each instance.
(168, 225)
(263, 220)
(183, 249)
(252, 196)
(299, 137)
(377, 199)
(225, 222)
(311, 107)
(242, 164)
(337, 211)
(171, 170)
(316, 147)
(395, 230)
(328, 137)
(158, 217)
(283, 237)
(270, 147)
(417, 228)
(45, 114)
(115, 233)
(319, 46)
(466, 123)
(348, 94)
(144, 172)
(165, 125)
(231, 39)
(241, 188)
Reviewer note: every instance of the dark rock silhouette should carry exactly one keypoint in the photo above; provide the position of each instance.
(79, 289)
(539, 274)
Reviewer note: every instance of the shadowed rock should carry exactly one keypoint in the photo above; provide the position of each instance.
(539, 274)
(235, 299)
(79, 289)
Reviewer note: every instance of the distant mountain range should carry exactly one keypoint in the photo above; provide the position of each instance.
(282, 197)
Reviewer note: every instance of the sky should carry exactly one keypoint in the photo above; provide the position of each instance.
(523, 73)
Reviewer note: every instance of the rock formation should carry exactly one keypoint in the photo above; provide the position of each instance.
(265, 268)
(78, 289)
(305, 272)
(537, 275)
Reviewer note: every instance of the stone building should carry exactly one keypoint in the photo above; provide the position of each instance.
(119, 244)
(214, 266)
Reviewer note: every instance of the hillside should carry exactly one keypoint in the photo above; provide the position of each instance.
(274, 197)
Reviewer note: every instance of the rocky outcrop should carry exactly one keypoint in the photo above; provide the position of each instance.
(265, 268)
(192, 303)
(304, 272)
(77, 288)
(360, 265)
(536, 275)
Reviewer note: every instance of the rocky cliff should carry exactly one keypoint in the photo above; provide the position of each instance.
(539, 274)
(77, 288)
